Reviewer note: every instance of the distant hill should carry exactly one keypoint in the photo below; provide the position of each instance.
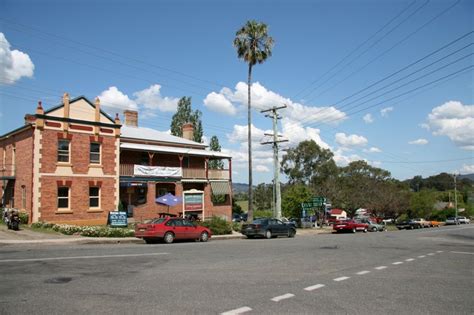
(468, 176)
(240, 188)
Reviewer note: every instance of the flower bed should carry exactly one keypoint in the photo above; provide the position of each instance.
(90, 231)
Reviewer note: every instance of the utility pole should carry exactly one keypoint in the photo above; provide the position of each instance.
(276, 164)
(455, 197)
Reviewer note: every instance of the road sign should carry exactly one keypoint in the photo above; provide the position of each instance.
(318, 201)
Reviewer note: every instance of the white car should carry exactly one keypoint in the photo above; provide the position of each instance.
(452, 221)
(463, 220)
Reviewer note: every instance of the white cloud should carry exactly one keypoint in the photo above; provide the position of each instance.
(384, 112)
(151, 99)
(343, 160)
(115, 99)
(372, 150)
(262, 169)
(219, 103)
(368, 118)
(295, 133)
(467, 169)
(419, 142)
(228, 102)
(350, 140)
(454, 120)
(14, 64)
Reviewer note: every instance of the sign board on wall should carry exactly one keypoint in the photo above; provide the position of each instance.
(118, 219)
(193, 201)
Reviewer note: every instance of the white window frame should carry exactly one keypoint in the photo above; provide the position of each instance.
(94, 197)
(62, 198)
(96, 162)
(62, 152)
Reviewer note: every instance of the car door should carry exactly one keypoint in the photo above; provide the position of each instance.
(179, 229)
(191, 231)
(281, 227)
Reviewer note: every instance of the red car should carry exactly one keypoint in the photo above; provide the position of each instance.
(169, 229)
(350, 225)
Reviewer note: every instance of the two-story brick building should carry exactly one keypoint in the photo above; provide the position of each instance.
(74, 163)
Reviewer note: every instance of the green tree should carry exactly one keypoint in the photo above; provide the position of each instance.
(253, 45)
(263, 196)
(215, 146)
(309, 164)
(184, 114)
(421, 203)
(292, 197)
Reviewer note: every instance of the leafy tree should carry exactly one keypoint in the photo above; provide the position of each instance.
(184, 114)
(215, 146)
(309, 164)
(263, 196)
(421, 204)
(253, 45)
(236, 208)
(292, 197)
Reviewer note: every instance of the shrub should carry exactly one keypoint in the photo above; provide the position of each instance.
(218, 226)
(23, 217)
(236, 226)
(262, 214)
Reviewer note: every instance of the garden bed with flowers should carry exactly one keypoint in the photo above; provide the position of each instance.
(90, 231)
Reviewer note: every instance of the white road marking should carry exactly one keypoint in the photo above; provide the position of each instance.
(282, 297)
(314, 287)
(362, 272)
(381, 267)
(465, 253)
(439, 251)
(237, 311)
(341, 279)
(422, 256)
(410, 259)
(397, 263)
(80, 257)
(430, 254)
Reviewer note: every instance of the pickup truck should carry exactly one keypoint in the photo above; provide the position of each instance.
(350, 225)
(423, 222)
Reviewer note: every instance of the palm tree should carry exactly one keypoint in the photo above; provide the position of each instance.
(253, 46)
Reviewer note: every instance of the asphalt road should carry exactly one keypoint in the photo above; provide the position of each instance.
(426, 271)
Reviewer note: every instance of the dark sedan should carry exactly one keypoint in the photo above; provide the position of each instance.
(408, 225)
(268, 228)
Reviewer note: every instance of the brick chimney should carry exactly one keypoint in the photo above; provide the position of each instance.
(131, 118)
(188, 131)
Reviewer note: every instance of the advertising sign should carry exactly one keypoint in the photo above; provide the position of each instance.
(193, 201)
(118, 219)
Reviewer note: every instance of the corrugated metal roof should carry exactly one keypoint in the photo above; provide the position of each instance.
(166, 149)
(142, 133)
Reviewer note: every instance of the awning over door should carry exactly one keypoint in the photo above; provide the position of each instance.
(220, 188)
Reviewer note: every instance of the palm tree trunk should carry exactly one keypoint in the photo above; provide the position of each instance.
(250, 210)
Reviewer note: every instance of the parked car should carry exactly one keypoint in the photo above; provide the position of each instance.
(236, 217)
(290, 222)
(169, 229)
(350, 225)
(268, 228)
(452, 221)
(374, 227)
(463, 220)
(435, 223)
(408, 225)
(423, 223)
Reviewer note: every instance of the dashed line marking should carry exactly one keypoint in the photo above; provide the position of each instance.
(80, 257)
(362, 272)
(341, 279)
(237, 311)
(430, 254)
(410, 259)
(314, 287)
(397, 263)
(465, 253)
(381, 267)
(282, 297)
(421, 256)
(439, 251)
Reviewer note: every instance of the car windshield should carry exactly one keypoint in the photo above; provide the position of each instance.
(450, 218)
(158, 220)
(260, 221)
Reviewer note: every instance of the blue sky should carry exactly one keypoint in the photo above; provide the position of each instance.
(145, 55)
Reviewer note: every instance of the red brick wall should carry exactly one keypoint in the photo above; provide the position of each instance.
(78, 199)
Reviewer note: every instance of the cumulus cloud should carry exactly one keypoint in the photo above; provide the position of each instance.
(295, 133)
(115, 99)
(342, 159)
(219, 103)
(368, 118)
(262, 169)
(14, 64)
(151, 99)
(228, 102)
(454, 120)
(372, 150)
(419, 142)
(467, 169)
(384, 111)
(348, 141)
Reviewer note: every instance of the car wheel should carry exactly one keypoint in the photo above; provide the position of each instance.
(168, 238)
(354, 230)
(204, 237)
(250, 236)
(291, 233)
(268, 234)
(374, 229)
(365, 230)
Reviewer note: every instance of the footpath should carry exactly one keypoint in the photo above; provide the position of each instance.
(28, 236)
